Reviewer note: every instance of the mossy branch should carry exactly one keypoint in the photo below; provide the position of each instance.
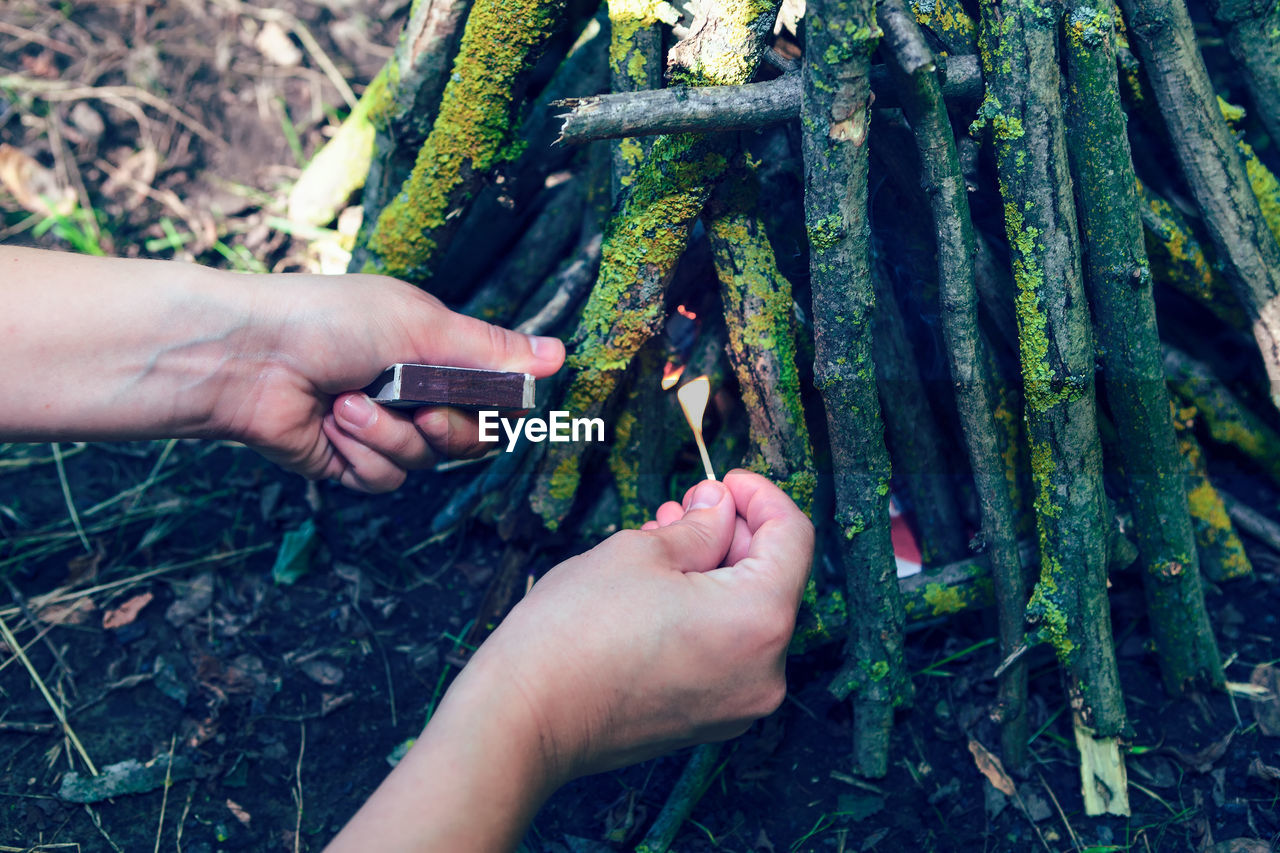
(759, 313)
(1119, 286)
(834, 118)
(472, 134)
(976, 398)
(1069, 604)
(1165, 40)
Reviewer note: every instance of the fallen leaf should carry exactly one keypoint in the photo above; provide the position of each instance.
(32, 185)
(129, 182)
(71, 613)
(275, 44)
(1265, 772)
(123, 615)
(238, 811)
(194, 599)
(1267, 710)
(294, 558)
(84, 568)
(1241, 845)
(322, 672)
(991, 767)
(1202, 760)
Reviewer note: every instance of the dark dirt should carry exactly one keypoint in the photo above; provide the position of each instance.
(287, 700)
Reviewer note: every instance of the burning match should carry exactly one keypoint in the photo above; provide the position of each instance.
(693, 397)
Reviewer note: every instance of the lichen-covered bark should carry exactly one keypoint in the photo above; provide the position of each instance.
(1069, 604)
(415, 78)
(648, 235)
(1222, 554)
(635, 64)
(1166, 43)
(976, 400)
(760, 317)
(1178, 259)
(472, 134)
(834, 117)
(1119, 286)
(1227, 420)
(1251, 29)
(950, 23)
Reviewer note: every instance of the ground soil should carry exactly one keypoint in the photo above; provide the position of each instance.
(286, 700)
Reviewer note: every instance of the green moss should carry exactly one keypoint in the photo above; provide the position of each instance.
(472, 132)
(820, 619)
(1088, 28)
(827, 232)
(1045, 609)
(1007, 127)
(625, 465)
(626, 18)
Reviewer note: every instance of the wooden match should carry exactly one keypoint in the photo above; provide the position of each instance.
(693, 397)
(417, 385)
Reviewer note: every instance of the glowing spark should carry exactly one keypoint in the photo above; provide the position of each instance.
(685, 312)
(671, 375)
(693, 399)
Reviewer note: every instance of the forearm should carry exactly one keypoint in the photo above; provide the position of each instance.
(98, 348)
(471, 783)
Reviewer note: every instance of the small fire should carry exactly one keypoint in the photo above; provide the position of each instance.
(685, 312)
(671, 374)
(693, 397)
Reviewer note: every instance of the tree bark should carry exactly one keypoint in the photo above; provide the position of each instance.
(1252, 32)
(1118, 282)
(834, 118)
(1165, 40)
(760, 316)
(1069, 603)
(726, 108)
(976, 399)
(472, 135)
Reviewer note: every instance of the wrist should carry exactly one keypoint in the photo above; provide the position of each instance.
(481, 754)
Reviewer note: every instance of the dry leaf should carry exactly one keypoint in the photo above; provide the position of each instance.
(123, 615)
(1202, 760)
(1267, 710)
(276, 45)
(1240, 845)
(32, 185)
(130, 181)
(239, 811)
(991, 767)
(193, 601)
(72, 613)
(322, 672)
(1265, 772)
(84, 568)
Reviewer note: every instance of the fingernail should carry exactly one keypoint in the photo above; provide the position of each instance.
(544, 347)
(358, 411)
(706, 495)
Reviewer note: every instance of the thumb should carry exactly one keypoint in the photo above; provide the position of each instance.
(700, 540)
(474, 343)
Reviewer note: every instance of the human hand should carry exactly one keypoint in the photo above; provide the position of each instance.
(664, 637)
(655, 639)
(313, 339)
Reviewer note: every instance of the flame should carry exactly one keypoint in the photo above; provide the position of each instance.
(685, 312)
(693, 397)
(671, 374)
